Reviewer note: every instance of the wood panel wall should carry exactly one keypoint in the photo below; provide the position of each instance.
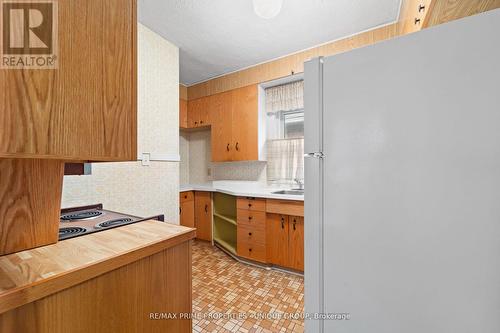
(436, 12)
(443, 11)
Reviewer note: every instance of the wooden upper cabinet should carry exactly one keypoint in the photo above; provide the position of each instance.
(245, 124)
(199, 112)
(183, 113)
(222, 128)
(235, 125)
(86, 108)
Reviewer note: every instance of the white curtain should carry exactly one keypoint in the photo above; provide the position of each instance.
(285, 161)
(286, 97)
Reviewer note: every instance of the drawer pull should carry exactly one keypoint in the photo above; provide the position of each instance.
(185, 197)
(249, 218)
(227, 148)
(250, 250)
(249, 234)
(249, 205)
(421, 8)
(206, 208)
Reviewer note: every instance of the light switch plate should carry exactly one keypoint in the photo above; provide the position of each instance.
(146, 159)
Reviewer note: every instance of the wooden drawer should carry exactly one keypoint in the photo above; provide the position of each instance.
(251, 235)
(186, 196)
(251, 218)
(252, 204)
(251, 251)
(286, 207)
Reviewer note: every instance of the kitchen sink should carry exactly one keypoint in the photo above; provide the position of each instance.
(290, 192)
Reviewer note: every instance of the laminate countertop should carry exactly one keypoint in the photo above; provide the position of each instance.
(33, 274)
(241, 189)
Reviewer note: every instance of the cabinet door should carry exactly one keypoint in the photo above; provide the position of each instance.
(194, 108)
(221, 119)
(203, 215)
(277, 239)
(187, 213)
(86, 108)
(296, 242)
(183, 113)
(245, 124)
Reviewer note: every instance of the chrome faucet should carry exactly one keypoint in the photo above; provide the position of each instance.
(299, 182)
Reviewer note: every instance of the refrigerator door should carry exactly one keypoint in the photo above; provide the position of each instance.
(411, 202)
(313, 272)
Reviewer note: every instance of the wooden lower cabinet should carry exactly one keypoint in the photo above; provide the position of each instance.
(126, 299)
(296, 242)
(186, 209)
(203, 215)
(196, 212)
(277, 235)
(285, 241)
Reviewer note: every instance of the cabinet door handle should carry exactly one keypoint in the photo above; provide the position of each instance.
(282, 223)
(421, 8)
(250, 249)
(237, 146)
(417, 21)
(196, 123)
(249, 218)
(249, 205)
(294, 224)
(201, 121)
(185, 197)
(180, 210)
(227, 148)
(206, 208)
(249, 234)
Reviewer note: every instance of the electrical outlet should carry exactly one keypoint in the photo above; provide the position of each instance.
(146, 159)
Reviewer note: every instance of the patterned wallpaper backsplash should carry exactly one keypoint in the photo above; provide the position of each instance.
(195, 151)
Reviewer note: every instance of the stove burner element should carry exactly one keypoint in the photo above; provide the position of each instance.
(112, 223)
(70, 232)
(91, 214)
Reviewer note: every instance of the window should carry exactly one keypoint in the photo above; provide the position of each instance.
(285, 133)
(293, 124)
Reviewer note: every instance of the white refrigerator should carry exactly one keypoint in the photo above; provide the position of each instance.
(402, 190)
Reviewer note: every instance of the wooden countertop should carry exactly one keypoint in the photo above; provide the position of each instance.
(33, 274)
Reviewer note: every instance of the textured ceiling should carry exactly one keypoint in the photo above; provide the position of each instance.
(220, 36)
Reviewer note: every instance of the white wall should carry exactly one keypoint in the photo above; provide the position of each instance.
(129, 187)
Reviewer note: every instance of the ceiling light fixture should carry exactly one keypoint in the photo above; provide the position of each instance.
(267, 9)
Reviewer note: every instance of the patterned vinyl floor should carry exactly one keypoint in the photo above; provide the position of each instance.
(229, 296)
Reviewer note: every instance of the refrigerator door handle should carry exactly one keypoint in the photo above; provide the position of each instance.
(315, 155)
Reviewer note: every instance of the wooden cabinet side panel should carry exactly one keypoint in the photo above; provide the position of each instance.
(119, 301)
(203, 215)
(245, 134)
(86, 108)
(277, 239)
(30, 203)
(296, 242)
